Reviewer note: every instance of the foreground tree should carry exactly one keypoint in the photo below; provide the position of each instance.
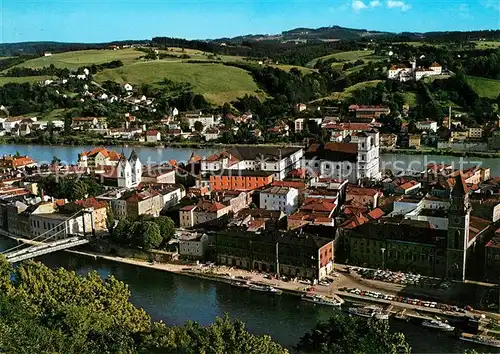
(57, 311)
(341, 334)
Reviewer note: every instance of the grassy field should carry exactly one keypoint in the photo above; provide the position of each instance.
(410, 98)
(284, 67)
(487, 44)
(30, 79)
(485, 87)
(344, 56)
(217, 82)
(74, 60)
(348, 91)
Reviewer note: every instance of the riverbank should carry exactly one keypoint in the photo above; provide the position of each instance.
(75, 141)
(97, 141)
(440, 152)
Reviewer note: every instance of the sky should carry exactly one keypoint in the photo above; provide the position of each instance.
(108, 20)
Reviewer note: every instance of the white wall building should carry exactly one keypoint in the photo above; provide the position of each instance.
(301, 122)
(283, 199)
(353, 161)
(278, 161)
(192, 245)
(404, 73)
(427, 125)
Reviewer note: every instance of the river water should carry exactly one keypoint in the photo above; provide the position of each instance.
(149, 155)
(176, 299)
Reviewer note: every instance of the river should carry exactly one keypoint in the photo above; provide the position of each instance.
(149, 155)
(176, 299)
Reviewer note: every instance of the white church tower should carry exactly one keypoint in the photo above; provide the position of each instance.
(129, 172)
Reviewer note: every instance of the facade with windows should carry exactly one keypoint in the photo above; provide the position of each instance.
(354, 161)
(285, 199)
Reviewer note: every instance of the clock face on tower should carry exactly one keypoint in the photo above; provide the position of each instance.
(456, 220)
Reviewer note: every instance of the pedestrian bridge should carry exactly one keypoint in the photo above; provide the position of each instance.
(45, 248)
(46, 242)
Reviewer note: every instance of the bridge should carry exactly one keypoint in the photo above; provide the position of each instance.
(42, 244)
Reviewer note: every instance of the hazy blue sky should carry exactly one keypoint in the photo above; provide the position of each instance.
(105, 20)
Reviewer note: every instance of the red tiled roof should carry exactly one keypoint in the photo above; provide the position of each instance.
(476, 226)
(292, 184)
(152, 132)
(376, 214)
(91, 203)
(409, 185)
(210, 207)
(362, 191)
(318, 205)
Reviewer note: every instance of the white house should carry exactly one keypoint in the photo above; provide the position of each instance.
(175, 112)
(427, 125)
(211, 133)
(285, 199)
(47, 54)
(153, 136)
(128, 87)
(403, 73)
(300, 123)
(192, 245)
(103, 96)
(263, 158)
(207, 121)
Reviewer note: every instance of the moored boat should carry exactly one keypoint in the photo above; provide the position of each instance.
(369, 312)
(265, 289)
(321, 300)
(442, 326)
(240, 284)
(479, 339)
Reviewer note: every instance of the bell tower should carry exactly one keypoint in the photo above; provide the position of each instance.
(458, 230)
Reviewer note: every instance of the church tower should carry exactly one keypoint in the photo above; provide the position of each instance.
(136, 166)
(458, 230)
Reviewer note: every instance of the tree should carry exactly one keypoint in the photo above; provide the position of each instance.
(341, 334)
(166, 226)
(146, 234)
(198, 126)
(57, 311)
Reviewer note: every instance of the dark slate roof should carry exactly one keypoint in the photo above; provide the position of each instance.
(333, 152)
(460, 188)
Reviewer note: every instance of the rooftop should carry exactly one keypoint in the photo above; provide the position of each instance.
(277, 190)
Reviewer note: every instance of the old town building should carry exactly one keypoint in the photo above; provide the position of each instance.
(292, 254)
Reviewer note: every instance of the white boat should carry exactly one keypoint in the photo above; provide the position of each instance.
(240, 284)
(321, 300)
(369, 312)
(442, 326)
(265, 289)
(484, 340)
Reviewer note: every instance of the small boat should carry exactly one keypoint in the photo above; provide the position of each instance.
(369, 312)
(265, 289)
(321, 300)
(479, 339)
(240, 284)
(442, 326)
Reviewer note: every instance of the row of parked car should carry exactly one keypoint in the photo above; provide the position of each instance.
(406, 300)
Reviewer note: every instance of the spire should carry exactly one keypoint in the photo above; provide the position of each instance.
(133, 156)
(460, 188)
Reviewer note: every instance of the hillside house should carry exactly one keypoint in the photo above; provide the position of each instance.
(153, 136)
